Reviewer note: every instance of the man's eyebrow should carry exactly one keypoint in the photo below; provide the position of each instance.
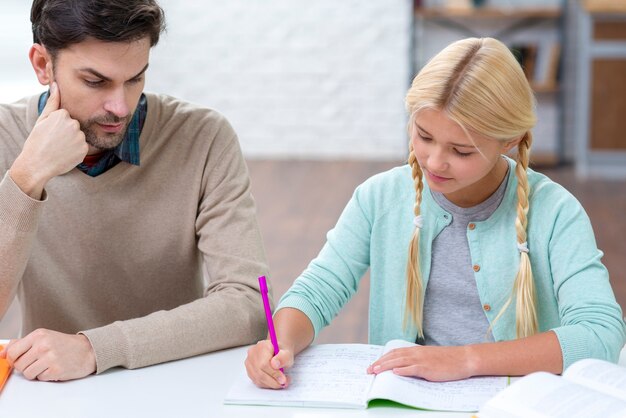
(105, 78)
(454, 145)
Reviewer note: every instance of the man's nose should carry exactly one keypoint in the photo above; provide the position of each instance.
(116, 104)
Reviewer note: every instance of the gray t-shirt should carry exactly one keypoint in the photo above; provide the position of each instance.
(453, 314)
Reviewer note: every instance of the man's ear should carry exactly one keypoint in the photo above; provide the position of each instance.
(41, 61)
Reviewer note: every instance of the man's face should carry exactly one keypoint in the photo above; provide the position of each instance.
(100, 84)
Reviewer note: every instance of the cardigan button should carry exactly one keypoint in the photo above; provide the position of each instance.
(472, 226)
(476, 268)
(486, 307)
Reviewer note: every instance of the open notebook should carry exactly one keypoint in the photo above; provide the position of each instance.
(334, 376)
(588, 389)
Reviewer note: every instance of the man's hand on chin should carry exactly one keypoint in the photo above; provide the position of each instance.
(51, 355)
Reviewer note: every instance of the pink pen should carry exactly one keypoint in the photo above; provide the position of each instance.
(268, 315)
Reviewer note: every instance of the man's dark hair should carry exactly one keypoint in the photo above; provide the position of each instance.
(58, 24)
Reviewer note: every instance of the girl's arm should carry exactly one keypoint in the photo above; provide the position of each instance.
(541, 352)
(318, 294)
(294, 332)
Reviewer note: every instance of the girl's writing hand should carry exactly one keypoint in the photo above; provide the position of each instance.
(427, 362)
(263, 367)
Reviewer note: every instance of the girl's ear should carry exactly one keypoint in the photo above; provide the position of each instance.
(41, 61)
(509, 145)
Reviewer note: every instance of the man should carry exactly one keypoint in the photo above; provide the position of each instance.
(114, 202)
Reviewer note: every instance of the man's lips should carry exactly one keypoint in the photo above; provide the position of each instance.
(111, 128)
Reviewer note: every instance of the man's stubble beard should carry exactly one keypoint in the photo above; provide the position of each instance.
(106, 141)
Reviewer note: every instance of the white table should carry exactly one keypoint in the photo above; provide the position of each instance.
(193, 387)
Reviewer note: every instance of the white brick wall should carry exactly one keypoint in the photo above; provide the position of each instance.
(17, 78)
(306, 79)
(297, 79)
(321, 79)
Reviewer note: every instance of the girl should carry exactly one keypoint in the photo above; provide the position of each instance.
(490, 266)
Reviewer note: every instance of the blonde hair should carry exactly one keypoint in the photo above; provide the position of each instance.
(479, 85)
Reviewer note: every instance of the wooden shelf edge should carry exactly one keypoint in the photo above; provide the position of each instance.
(543, 159)
(604, 6)
(540, 158)
(544, 88)
(489, 12)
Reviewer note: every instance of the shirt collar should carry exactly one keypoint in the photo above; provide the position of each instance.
(128, 149)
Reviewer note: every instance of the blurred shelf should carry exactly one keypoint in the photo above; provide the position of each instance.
(517, 27)
(464, 19)
(467, 21)
(605, 6)
(489, 13)
(600, 102)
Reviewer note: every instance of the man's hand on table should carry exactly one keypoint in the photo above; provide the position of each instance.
(50, 355)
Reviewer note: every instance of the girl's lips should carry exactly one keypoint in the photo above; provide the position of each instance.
(436, 178)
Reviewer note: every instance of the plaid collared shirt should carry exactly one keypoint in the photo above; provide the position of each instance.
(127, 150)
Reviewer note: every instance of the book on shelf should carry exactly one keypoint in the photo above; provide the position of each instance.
(334, 376)
(589, 388)
(526, 55)
(554, 63)
(540, 63)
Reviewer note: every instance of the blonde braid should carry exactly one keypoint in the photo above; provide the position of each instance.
(414, 291)
(526, 322)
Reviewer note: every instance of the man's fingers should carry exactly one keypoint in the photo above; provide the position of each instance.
(4, 353)
(16, 348)
(54, 101)
(26, 360)
(49, 376)
(34, 370)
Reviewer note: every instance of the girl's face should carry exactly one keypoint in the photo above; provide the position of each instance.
(467, 171)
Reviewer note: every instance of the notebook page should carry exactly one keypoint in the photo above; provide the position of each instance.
(462, 395)
(332, 375)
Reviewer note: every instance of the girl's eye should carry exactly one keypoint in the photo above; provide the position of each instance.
(424, 138)
(462, 154)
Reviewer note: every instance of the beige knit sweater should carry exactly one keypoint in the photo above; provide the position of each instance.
(121, 256)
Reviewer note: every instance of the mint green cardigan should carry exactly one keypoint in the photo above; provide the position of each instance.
(574, 296)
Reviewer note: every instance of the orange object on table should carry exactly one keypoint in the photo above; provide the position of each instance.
(5, 370)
